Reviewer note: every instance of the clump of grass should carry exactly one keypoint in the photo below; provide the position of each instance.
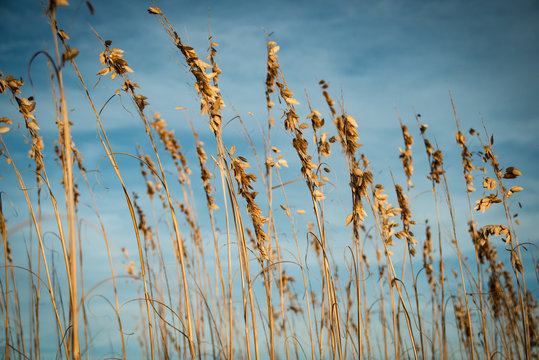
(251, 295)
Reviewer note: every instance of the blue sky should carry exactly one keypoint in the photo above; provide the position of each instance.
(380, 54)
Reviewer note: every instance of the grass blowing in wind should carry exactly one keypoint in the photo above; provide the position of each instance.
(215, 241)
